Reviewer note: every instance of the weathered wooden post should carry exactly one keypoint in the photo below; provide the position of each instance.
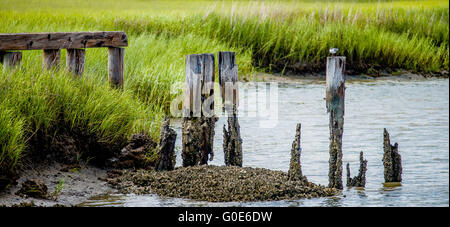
(360, 180)
(166, 154)
(116, 66)
(392, 160)
(198, 110)
(228, 79)
(295, 167)
(335, 97)
(11, 60)
(75, 61)
(51, 58)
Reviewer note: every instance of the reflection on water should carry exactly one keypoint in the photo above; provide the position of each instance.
(416, 114)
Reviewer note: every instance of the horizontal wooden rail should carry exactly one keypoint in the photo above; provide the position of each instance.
(62, 40)
(74, 42)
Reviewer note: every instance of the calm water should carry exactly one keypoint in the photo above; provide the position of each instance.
(416, 113)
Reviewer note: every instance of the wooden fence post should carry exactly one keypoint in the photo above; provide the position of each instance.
(75, 61)
(198, 110)
(11, 60)
(335, 99)
(228, 79)
(51, 58)
(116, 66)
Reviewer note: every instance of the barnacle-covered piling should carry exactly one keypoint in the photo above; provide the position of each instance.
(335, 99)
(360, 180)
(392, 160)
(295, 167)
(198, 110)
(166, 154)
(228, 78)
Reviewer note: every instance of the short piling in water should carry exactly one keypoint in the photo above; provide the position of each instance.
(335, 97)
(166, 154)
(295, 167)
(228, 79)
(360, 180)
(10, 60)
(198, 110)
(392, 160)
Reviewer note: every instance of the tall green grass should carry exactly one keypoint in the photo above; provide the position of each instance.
(269, 35)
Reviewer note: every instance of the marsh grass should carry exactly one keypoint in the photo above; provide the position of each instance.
(268, 35)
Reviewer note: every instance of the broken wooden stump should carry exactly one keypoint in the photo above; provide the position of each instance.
(166, 153)
(228, 80)
(392, 160)
(295, 167)
(360, 180)
(198, 110)
(11, 60)
(75, 61)
(335, 97)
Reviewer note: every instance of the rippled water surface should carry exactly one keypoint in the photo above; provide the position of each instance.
(416, 113)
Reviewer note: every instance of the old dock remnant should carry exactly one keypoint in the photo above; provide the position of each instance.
(198, 110)
(360, 180)
(229, 90)
(335, 100)
(75, 43)
(392, 160)
(295, 167)
(166, 154)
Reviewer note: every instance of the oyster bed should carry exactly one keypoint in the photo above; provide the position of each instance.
(219, 184)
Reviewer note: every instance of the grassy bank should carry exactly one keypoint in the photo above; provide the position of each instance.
(274, 36)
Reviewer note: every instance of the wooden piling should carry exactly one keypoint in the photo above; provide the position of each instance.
(360, 180)
(116, 66)
(75, 61)
(198, 110)
(51, 58)
(11, 60)
(335, 99)
(166, 154)
(229, 90)
(295, 167)
(392, 160)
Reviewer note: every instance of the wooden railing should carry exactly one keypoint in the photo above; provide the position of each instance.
(74, 42)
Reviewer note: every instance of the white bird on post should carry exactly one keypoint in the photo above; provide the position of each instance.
(333, 51)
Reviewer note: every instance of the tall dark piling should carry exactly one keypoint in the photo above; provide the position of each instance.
(295, 167)
(360, 180)
(392, 160)
(229, 90)
(166, 154)
(198, 110)
(335, 97)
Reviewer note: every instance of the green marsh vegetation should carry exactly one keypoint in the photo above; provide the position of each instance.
(271, 36)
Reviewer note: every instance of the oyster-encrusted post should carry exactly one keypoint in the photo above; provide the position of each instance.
(198, 110)
(335, 96)
(392, 160)
(295, 167)
(228, 79)
(360, 180)
(166, 154)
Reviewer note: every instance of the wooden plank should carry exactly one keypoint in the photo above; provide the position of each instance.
(75, 61)
(335, 94)
(11, 60)
(62, 40)
(116, 66)
(208, 77)
(228, 80)
(51, 59)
